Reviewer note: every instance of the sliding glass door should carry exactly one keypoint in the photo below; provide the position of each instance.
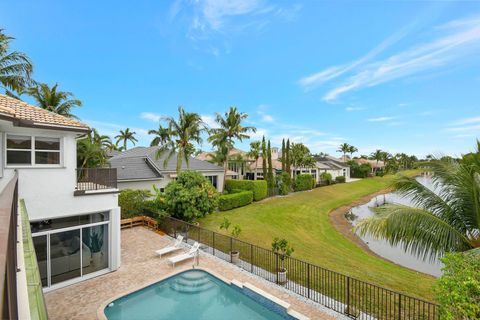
(71, 251)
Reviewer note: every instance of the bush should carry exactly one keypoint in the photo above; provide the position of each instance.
(283, 183)
(191, 196)
(359, 170)
(258, 187)
(303, 182)
(326, 178)
(132, 202)
(154, 208)
(234, 200)
(339, 179)
(458, 289)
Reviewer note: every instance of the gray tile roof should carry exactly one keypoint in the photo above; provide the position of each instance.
(330, 163)
(141, 163)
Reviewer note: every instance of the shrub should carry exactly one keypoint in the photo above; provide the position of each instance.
(132, 202)
(154, 208)
(326, 178)
(191, 196)
(359, 170)
(258, 187)
(234, 200)
(339, 179)
(283, 183)
(458, 289)
(303, 182)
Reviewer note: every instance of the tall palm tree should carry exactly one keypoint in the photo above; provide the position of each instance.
(444, 220)
(344, 148)
(254, 154)
(103, 140)
(230, 129)
(182, 132)
(15, 67)
(378, 156)
(126, 136)
(161, 135)
(352, 150)
(48, 98)
(90, 153)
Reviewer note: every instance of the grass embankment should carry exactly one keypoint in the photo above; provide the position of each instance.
(302, 218)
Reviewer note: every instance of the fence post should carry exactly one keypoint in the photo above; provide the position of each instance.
(213, 243)
(348, 295)
(276, 268)
(399, 306)
(251, 258)
(308, 280)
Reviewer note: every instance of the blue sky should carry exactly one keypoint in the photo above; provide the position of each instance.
(401, 76)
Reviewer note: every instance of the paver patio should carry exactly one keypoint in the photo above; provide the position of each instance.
(140, 267)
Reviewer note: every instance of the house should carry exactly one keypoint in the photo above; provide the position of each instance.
(139, 168)
(73, 214)
(332, 165)
(238, 162)
(376, 165)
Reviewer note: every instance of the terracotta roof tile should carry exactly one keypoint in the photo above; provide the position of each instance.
(23, 111)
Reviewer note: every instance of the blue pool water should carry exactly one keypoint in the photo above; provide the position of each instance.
(194, 294)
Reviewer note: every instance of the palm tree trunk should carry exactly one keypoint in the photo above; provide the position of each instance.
(225, 169)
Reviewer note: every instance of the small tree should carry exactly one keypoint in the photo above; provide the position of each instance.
(264, 159)
(270, 178)
(234, 233)
(287, 158)
(326, 178)
(458, 289)
(283, 250)
(282, 158)
(190, 197)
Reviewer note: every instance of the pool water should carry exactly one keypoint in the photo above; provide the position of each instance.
(193, 294)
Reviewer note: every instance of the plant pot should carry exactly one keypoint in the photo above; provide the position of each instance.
(96, 258)
(235, 257)
(282, 276)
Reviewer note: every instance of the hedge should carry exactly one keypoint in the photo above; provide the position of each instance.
(234, 200)
(340, 179)
(303, 182)
(258, 187)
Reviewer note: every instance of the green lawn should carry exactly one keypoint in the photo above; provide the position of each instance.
(302, 219)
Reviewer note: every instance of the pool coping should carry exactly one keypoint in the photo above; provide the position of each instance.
(101, 314)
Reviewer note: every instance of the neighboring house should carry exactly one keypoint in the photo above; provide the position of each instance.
(74, 214)
(376, 165)
(238, 162)
(139, 168)
(332, 165)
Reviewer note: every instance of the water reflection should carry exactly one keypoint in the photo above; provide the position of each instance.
(383, 248)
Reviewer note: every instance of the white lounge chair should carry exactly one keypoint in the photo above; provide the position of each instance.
(185, 256)
(176, 246)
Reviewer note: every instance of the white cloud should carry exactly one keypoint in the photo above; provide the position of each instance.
(456, 42)
(209, 121)
(151, 116)
(352, 109)
(474, 128)
(380, 119)
(468, 120)
(262, 111)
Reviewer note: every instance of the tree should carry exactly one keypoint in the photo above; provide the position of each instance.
(191, 196)
(287, 158)
(15, 67)
(440, 221)
(282, 159)
(301, 157)
(254, 153)
(49, 98)
(161, 136)
(91, 152)
(378, 156)
(230, 129)
(187, 129)
(264, 159)
(344, 148)
(352, 150)
(270, 178)
(125, 136)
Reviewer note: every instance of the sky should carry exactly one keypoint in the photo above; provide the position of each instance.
(402, 76)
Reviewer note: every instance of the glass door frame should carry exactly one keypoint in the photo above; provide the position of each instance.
(80, 228)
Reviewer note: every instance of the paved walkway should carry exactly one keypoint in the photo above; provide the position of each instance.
(140, 267)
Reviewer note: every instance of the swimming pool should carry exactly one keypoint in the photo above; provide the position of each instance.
(194, 294)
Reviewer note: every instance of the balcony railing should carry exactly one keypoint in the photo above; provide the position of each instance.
(95, 179)
(8, 250)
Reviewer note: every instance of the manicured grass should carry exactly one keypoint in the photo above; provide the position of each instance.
(302, 219)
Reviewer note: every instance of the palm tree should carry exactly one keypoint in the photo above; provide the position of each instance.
(126, 136)
(230, 129)
(60, 102)
(344, 148)
(182, 132)
(377, 155)
(103, 140)
(444, 220)
(254, 153)
(352, 150)
(90, 152)
(15, 67)
(161, 135)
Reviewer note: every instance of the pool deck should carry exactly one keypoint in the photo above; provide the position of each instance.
(140, 267)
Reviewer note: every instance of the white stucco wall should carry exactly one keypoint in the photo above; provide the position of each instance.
(162, 183)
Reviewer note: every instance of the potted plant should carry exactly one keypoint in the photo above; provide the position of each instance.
(234, 254)
(283, 250)
(96, 244)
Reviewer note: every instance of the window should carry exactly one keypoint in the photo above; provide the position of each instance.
(213, 180)
(27, 150)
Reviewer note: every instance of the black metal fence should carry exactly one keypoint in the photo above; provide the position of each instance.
(344, 294)
(89, 179)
